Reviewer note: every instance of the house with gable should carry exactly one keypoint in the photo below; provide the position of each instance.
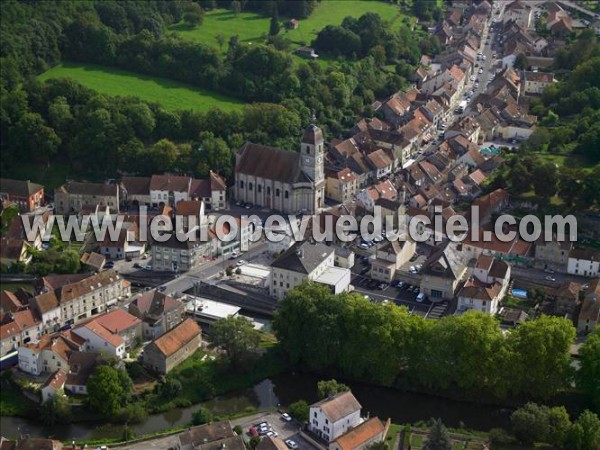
(486, 287)
(389, 257)
(589, 315)
(173, 347)
(158, 312)
(443, 271)
(335, 415)
(361, 437)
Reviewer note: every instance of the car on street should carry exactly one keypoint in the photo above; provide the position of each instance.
(110, 265)
(241, 262)
(291, 444)
(412, 269)
(550, 271)
(550, 278)
(363, 245)
(147, 267)
(286, 417)
(234, 255)
(365, 270)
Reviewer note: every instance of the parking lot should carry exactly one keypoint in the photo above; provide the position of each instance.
(402, 294)
(285, 430)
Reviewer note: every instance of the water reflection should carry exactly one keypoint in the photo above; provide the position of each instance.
(284, 389)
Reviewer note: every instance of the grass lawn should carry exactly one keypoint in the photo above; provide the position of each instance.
(171, 94)
(251, 27)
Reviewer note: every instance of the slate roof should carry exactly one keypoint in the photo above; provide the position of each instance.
(174, 183)
(136, 185)
(303, 257)
(101, 189)
(269, 163)
(19, 188)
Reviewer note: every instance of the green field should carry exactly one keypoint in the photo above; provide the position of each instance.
(171, 94)
(252, 27)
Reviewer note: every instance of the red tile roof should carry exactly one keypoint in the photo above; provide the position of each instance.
(173, 340)
(117, 321)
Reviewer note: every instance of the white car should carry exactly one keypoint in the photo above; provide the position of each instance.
(550, 278)
(291, 444)
(241, 262)
(286, 417)
(234, 255)
(272, 434)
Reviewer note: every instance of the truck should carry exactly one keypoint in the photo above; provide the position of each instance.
(461, 107)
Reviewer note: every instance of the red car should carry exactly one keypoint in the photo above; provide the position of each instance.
(252, 432)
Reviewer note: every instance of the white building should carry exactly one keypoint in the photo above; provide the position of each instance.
(487, 286)
(306, 260)
(584, 261)
(169, 189)
(333, 416)
(99, 339)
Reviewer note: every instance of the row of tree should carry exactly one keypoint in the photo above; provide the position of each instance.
(538, 423)
(385, 344)
(574, 186)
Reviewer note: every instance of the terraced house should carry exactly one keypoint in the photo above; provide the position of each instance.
(90, 296)
(72, 196)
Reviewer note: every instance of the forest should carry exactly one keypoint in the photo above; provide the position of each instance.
(97, 136)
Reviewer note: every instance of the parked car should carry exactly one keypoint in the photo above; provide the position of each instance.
(550, 271)
(421, 297)
(272, 434)
(412, 269)
(147, 267)
(291, 444)
(234, 255)
(241, 262)
(365, 270)
(135, 266)
(550, 278)
(363, 245)
(110, 265)
(286, 417)
(252, 431)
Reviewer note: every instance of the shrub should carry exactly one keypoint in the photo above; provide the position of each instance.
(202, 416)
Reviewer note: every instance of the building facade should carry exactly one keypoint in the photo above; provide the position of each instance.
(290, 182)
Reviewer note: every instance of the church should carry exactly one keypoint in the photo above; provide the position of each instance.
(290, 182)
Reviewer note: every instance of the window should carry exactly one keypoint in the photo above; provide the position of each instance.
(259, 188)
(268, 190)
(277, 192)
(287, 194)
(249, 186)
(241, 184)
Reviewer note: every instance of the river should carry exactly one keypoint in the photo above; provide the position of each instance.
(284, 389)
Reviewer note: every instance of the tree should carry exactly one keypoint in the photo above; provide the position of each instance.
(105, 392)
(539, 423)
(299, 410)
(438, 437)
(274, 26)
(521, 62)
(236, 338)
(327, 388)
(194, 15)
(539, 359)
(588, 375)
(132, 413)
(236, 7)
(220, 40)
(545, 181)
(201, 416)
(585, 432)
(520, 178)
(56, 409)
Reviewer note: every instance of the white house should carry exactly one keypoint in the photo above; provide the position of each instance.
(169, 189)
(584, 261)
(307, 260)
(99, 339)
(54, 385)
(487, 286)
(333, 416)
